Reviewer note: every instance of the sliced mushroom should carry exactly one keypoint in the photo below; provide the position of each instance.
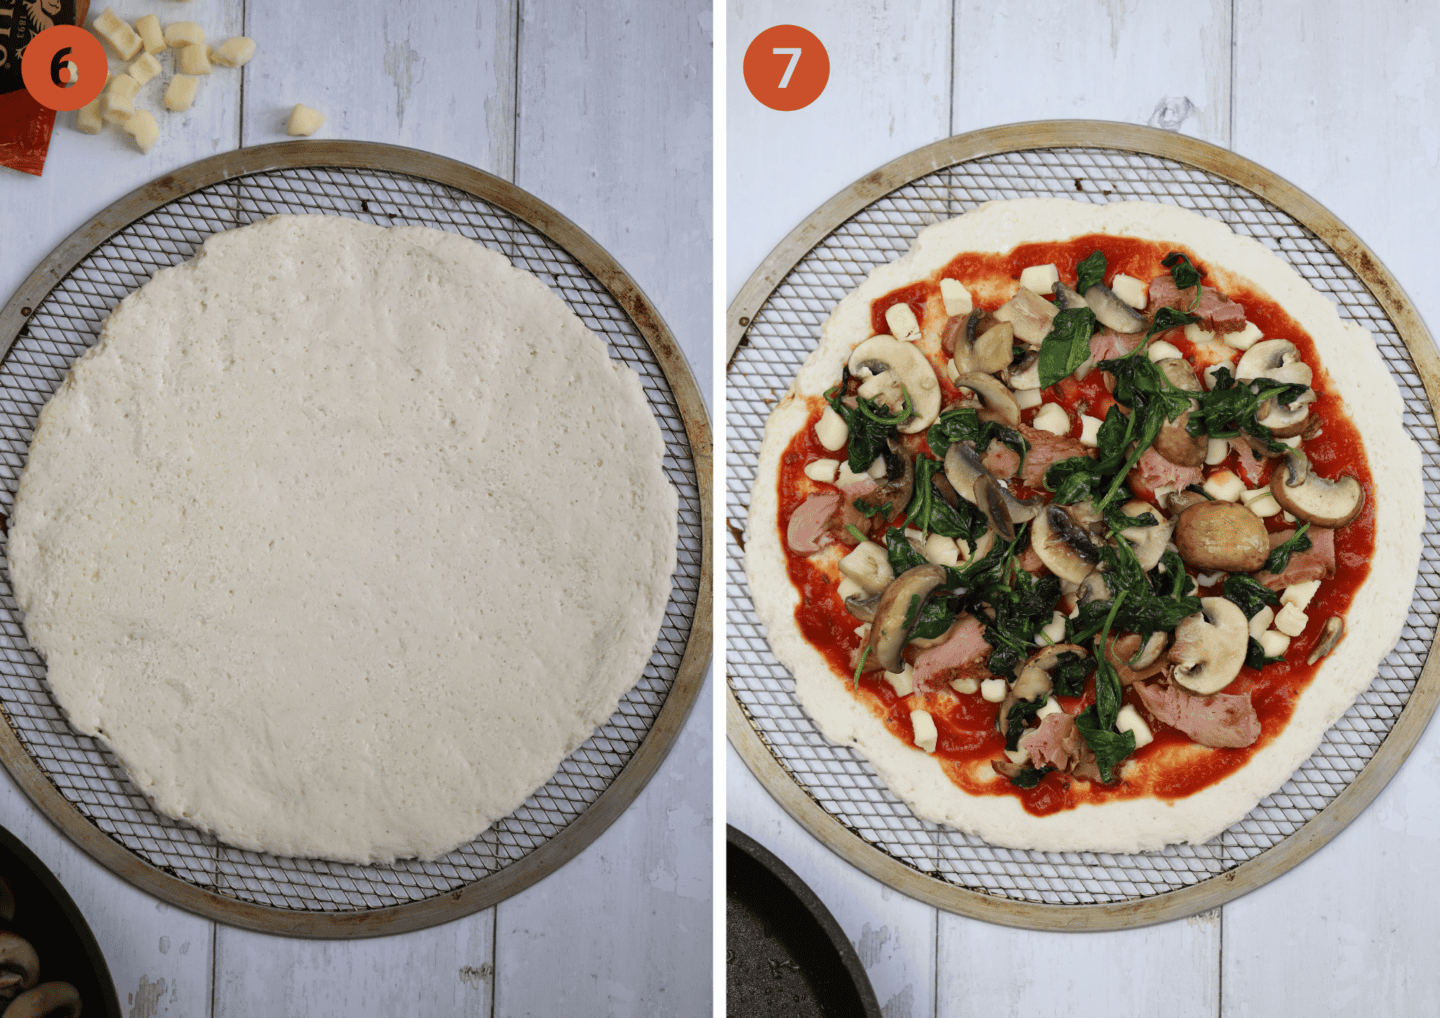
(999, 402)
(1178, 501)
(906, 362)
(1276, 359)
(48, 1000)
(990, 497)
(1067, 298)
(1174, 441)
(1032, 681)
(863, 606)
(1284, 421)
(986, 351)
(1313, 498)
(1062, 544)
(1025, 374)
(925, 643)
(1134, 659)
(964, 471)
(1148, 543)
(888, 633)
(1092, 588)
(1329, 637)
(1112, 312)
(899, 483)
(19, 965)
(1222, 535)
(1032, 315)
(1210, 646)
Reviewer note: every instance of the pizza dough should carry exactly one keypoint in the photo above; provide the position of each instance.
(1377, 613)
(343, 538)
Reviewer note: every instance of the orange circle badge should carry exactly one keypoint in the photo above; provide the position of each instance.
(786, 67)
(64, 67)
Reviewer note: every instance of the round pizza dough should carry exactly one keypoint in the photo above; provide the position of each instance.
(343, 538)
(1377, 614)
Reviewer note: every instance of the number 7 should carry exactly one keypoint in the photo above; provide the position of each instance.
(794, 54)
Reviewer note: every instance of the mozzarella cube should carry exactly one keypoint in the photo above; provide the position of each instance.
(822, 470)
(1211, 374)
(957, 299)
(848, 588)
(1027, 398)
(1052, 418)
(118, 34)
(1261, 621)
(1039, 278)
(194, 59)
(1261, 502)
(902, 322)
(234, 52)
(1224, 486)
(144, 69)
(1195, 334)
(1273, 644)
(1209, 579)
(903, 682)
(1162, 350)
(116, 109)
(1131, 290)
(1287, 516)
(832, 431)
(151, 37)
(925, 734)
(87, 117)
(1291, 621)
(941, 550)
(1300, 594)
(1129, 720)
(184, 33)
(993, 690)
(845, 477)
(966, 686)
(1245, 338)
(869, 566)
(1217, 450)
(1293, 441)
(142, 127)
(877, 468)
(1019, 757)
(1050, 707)
(123, 86)
(304, 121)
(180, 96)
(1090, 431)
(1054, 630)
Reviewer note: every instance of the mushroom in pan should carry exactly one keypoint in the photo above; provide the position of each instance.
(1209, 646)
(19, 965)
(907, 366)
(889, 632)
(1112, 312)
(1313, 498)
(48, 1000)
(1032, 682)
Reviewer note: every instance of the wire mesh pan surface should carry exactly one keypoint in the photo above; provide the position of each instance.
(834, 790)
(83, 787)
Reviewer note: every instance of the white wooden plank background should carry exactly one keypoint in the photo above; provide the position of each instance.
(1343, 101)
(613, 129)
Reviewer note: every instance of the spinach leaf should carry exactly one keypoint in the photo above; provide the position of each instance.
(1030, 777)
(1020, 610)
(1020, 712)
(855, 533)
(1249, 595)
(1066, 346)
(929, 512)
(935, 618)
(1089, 272)
(1081, 478)
(1280, 555)
(1171, 570)
(860, 664)
(1110, 746)
(1255, 656)
(1069, 675)
(901, 552)
(963, 424)
(912, 613)
(1232, 407)
(867, 510)
(1182, 270)
(1165, 320)
(868, 424)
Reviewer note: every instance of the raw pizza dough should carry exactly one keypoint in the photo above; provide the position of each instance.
(343, 538)
(1377, 613)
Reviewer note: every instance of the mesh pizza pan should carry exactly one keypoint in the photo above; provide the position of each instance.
(773, 325)
(81, 786)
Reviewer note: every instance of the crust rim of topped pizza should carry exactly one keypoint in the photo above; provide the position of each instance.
(1127, 825)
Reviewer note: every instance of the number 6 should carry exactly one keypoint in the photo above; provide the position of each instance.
(794, 54)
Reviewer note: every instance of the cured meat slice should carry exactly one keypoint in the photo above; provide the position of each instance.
(1318, 563)
(810, 521)
(1057, 743)
(1217, 312)
(1047, 449)
(966, 645)
(1222, 720)
(1000, 460)
(1153, 471)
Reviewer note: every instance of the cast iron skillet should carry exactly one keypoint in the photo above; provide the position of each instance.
(785, 955)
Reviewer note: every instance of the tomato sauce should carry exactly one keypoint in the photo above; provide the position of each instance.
(967, 738)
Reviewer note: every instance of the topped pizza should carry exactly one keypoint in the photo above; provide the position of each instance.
(1084, 523)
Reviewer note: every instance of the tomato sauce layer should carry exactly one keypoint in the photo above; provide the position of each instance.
(1172, 767)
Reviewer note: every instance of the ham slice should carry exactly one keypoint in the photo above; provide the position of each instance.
(965, 646)
(1107, 344)
(1000, 460)
(1152, 471)
(852, 517)
(1056, 742)
(1047, 449)
(1316, 564)
(1252, 467)
(1223, 721)
(810, 521)
(1217, 312)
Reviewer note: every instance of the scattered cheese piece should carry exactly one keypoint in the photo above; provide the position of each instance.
(1261, 621)
(1224, 485)
(831, 430)
(903, 682)
(1293, 441)
(902, 322)
(1291, 621)
(1162, 350)
(1272, 643)
(1050, 707)
(849, 588)
(87, 117)
(1129, 720)
(118, 34)
(1052, 418)
(868, 565)
(1245, 338)
(150, 34)
(1039, 278)
(966, 686)
(194, 60)
(1054, 629)
(1195, 334)
(925, 733)
(1300, 594)
(180, 95)
(957, 299)
(184, 33)
(993, 690)
(863, 631)
(143, 69)
(234, 52)
(1287, 516)
(846, 477)
(1028, 378)
(941, 550)
(142, 127)
(1261, 502)
(1017, 756)
(1217, 450)
(818, 470)
(1131, 290)
(1027, 398)
(123, 86)
(116, 108)
(877, 468)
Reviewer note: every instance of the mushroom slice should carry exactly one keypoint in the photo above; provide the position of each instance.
(1148, 542)
(1112, 312)
(1032, 681)
(1313, 498)
(990, 497)
(1026, 374)
(1092, 588)
(1329, 637)
(48, 1000)
(889, 633)
(1285, 421)
(906, 362)
(1174, 441)
(973, 350)
(964, 471)
(1062, 544)
(19, 965)
(863, 608)
(1210, 646)
(1222, 535)
(1067, 298)
(899, 483)
(999, 401)
(1032, 315)
(1276, 359)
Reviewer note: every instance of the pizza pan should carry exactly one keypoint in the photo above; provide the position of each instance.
(772, 326)
(82, 787)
